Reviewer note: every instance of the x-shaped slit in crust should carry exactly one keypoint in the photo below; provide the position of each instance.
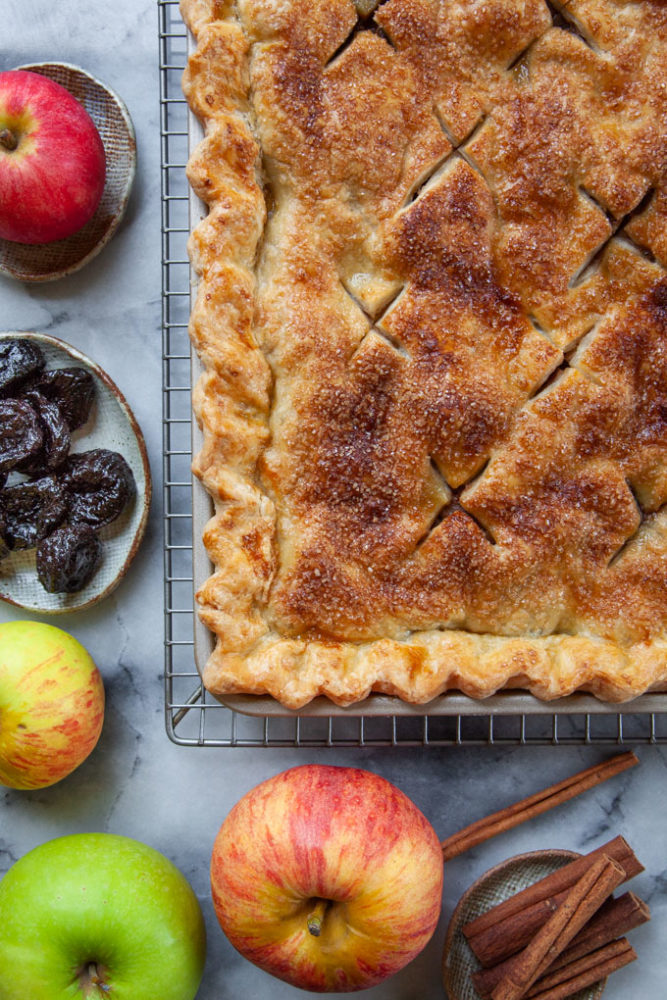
(568, 362)
(564, 21)
(592, 263)
(383, 335)
(453, 504)
(432, 175)
(364, 23)
(375, 318)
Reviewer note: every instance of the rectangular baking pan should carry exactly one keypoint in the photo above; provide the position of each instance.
(450, 704)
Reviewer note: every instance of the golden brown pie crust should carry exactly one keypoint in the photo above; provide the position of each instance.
(432, 312)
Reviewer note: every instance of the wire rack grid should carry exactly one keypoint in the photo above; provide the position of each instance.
(193, 717)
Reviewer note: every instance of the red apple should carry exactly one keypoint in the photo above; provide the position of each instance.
(327, 877)
(52, 164)
(51, 704)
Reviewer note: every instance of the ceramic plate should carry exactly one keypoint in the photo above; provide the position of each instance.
(48, 261)
(494, 887)
(111, 425)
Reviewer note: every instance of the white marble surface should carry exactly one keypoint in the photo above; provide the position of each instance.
(138, 783)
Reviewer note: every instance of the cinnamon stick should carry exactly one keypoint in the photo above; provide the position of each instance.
(615, 918)
(507, 927)
(534, 805)
(582, 901)
(589, 970)
(504, 939)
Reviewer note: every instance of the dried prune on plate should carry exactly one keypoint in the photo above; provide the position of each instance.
(55, 447)
(100, 484)
(32, 510)
(71, 389)
(68, 558)
(21, 433)
(19, 360)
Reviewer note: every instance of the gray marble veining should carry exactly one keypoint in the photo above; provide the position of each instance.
(136, 782)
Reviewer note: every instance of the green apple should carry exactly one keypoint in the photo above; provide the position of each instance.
(97, 915)
(51, 704)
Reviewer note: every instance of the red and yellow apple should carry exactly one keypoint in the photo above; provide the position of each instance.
(51, 704)
(52, 162)
(327, 877)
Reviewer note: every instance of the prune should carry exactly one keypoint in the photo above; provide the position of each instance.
(100, 484)
(32, 510)
(68, 558)
(55, 447)
(71, 389)
(22, 437)
(19, 359)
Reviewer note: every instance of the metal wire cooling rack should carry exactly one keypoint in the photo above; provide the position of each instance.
(193, 717)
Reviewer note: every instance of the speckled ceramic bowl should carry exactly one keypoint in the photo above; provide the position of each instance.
(496, 885)
(47, 261)
(111, 425)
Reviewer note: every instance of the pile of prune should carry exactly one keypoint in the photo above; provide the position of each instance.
(67, 497)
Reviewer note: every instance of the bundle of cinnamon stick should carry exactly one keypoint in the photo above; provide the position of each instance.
(565, 932)
(562, 933)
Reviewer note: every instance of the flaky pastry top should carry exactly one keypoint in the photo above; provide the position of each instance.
(432, 311)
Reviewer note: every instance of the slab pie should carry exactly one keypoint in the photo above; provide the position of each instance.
(432, 313)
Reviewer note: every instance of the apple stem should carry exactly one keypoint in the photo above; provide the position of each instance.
(91, 979)
(8, 140)
(316, 916)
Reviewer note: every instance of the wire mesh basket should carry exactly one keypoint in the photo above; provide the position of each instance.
(193, 717)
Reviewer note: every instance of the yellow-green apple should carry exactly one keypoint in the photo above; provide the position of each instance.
(52, 162)
(327, 877)
(96, 915)
(51, 704)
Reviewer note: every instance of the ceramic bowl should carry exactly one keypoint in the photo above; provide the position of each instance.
(111, 425)
(48, 261)
(496, 885)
